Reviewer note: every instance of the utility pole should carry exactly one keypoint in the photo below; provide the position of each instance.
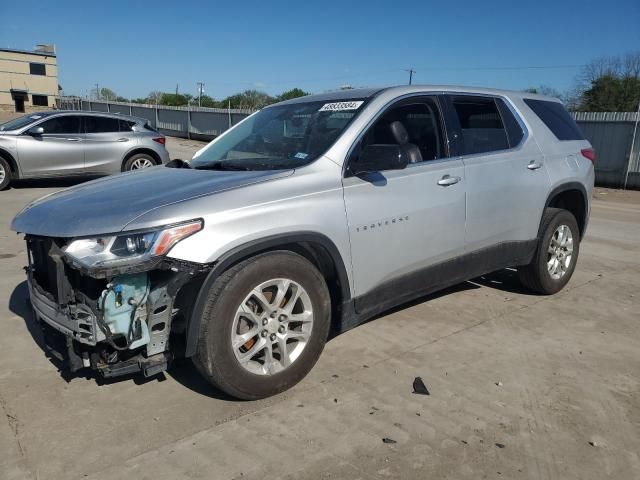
(200, 90)
(411, 72)
(97, 92)
(176, 89)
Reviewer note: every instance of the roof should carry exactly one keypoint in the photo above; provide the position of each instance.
(28, 52)
(91, 113)
(360, 93)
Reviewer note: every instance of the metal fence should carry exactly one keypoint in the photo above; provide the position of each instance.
(188, 122)
(614, 135)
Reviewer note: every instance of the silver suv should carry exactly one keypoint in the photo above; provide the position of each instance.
(307, 217)
(61, 143)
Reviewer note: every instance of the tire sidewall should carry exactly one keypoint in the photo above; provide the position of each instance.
(7, 173)
(551, 285)
(215, 354)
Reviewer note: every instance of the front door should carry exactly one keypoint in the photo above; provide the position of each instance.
(403, 222)
(58, 150)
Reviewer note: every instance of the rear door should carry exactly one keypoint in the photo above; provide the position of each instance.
(402, 222)
(57, 151)
(504, 169)
(107, 140)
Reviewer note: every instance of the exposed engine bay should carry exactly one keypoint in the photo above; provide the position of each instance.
(117, 321)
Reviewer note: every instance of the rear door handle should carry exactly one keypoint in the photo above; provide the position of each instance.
(72, 139)
(533, 165)
(447, 180)
(122, 140)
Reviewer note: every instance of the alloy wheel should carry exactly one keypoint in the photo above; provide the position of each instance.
(3, 173)
(560, 252)
(272, 326)
(139, 163)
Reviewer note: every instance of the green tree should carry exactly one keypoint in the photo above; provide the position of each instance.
(106, 94)
(612, 94)
(207, 101)
(293, 93)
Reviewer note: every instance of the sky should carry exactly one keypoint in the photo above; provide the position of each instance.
(134, 47)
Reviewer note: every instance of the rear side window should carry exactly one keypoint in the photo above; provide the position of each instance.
(60, 125)
(556, 118)
(101, 124)
(511, 125)
(481, 125)
(126, 126)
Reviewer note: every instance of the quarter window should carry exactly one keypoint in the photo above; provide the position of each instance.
(481, 125)
(556, 118)
(62, 125)
(39, 100)
(414, 124)
(37, 69)
(125, 125)
(95, 124)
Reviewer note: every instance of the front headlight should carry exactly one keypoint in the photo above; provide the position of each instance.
(129, 248)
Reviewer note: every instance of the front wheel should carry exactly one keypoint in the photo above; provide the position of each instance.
(264, 325)
(556, 254)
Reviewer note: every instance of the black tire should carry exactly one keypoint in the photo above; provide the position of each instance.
(6, 169)
(536, 276)
(128, 165)
(215, 358)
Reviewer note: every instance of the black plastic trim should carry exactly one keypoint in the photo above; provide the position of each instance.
(437, 277)
(252, 248)
(571, 186)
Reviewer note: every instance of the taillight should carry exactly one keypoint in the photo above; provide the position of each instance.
(589, 153)
(160, 140)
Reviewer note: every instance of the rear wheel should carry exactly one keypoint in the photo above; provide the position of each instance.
(5, 174)
(264, 325)
(556, 254)
(139, 161)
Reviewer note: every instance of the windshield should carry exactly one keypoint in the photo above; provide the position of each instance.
(279, 137)
(20, 122)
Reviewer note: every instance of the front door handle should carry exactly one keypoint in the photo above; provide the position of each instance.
(533, 165)
(72, 139)
(448, 180)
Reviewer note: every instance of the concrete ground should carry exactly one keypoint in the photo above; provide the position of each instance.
(522, 386)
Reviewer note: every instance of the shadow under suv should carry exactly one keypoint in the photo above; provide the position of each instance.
(67, 143)
(311, 215)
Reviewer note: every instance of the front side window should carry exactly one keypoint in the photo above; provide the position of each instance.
(415, 125)
(280, 137)
(480, 124)
(37, 69)
(95, 124)
(62, 125)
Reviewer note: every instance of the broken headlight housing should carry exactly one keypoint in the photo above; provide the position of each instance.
(129, 248)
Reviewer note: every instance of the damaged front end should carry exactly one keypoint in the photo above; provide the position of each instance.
(116, 300)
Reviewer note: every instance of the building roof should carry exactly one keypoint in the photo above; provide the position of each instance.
(28, 52)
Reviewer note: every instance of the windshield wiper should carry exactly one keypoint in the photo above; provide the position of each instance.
(222, 166)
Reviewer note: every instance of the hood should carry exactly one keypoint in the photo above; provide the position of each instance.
(107, 205)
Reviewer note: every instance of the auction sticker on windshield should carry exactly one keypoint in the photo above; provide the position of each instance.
(341, 106)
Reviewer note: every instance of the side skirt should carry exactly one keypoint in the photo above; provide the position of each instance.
(433, 278)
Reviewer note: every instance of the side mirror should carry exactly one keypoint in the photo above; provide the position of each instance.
(36, 131)
(376, 158)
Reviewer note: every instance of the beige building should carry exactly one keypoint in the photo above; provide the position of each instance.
(28, 79)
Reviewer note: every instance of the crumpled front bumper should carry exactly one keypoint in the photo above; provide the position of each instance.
(80, 325)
